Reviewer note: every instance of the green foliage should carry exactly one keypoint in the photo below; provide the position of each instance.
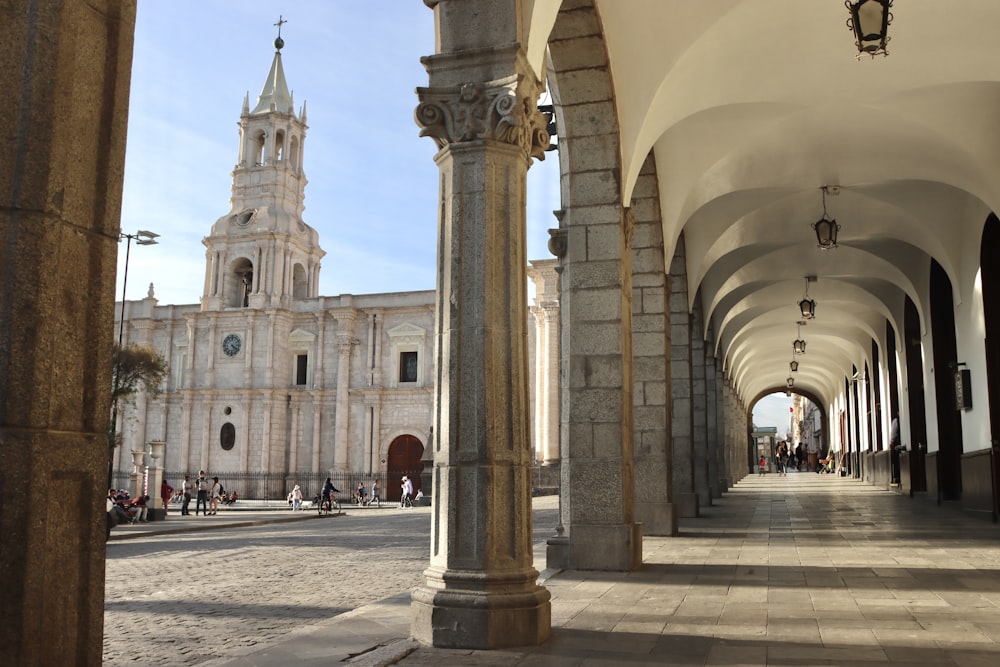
(134, 368)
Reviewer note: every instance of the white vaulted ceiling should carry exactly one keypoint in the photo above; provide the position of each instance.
(750, 106)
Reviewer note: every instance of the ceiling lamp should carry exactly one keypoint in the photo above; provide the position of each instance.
(870, 21)
(790, 382)
(825, 228)
(807, 306)
(794, 365)
(799, 345)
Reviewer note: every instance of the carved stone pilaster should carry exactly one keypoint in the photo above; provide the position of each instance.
(503, 110)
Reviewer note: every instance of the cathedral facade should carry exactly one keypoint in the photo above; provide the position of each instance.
(266, 375)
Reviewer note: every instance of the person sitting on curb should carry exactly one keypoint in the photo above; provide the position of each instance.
(139, 509)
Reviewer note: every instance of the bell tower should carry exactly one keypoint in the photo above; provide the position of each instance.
(262, 254)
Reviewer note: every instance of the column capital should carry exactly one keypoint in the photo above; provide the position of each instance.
(504, 110)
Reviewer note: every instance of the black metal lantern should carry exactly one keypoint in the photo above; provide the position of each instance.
(799, 345)
(808, 308)
(790, 381)
(794, 365)
(826, 229)
(870, 21)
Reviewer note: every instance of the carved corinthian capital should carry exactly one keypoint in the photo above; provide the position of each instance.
(474, 111)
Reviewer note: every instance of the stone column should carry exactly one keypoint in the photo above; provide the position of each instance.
(654, 506)
(342, 414)
(699, 415)
(544, 274)
(682, 413)
(480, 589)
(157, 510)
(66, 73)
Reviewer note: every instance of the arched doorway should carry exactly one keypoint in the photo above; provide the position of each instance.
(990, 278)
(950, 448)
(915, 398)
(404, 458)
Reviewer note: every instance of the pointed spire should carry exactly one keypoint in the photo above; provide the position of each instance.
(275, 90)
(246, 104)
(302, 113)
(274, 95)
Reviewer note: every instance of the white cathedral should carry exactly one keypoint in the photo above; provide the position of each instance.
(265, 375)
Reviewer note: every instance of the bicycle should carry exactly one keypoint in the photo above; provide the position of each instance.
(327, 505)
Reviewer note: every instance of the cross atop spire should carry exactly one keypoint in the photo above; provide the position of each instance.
(278, 42)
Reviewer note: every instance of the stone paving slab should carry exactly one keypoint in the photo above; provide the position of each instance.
(798, 570)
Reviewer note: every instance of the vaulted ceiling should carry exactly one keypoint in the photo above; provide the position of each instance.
(751, 106)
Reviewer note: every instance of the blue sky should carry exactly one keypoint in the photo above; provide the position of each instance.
(372, 192)
(772, 410)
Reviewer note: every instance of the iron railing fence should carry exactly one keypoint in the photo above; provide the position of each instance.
(277, 486)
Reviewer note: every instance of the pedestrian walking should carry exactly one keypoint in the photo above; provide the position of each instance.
(186, 488)
(406, 485)
(202, 501)
(215, 494)
(166, 493)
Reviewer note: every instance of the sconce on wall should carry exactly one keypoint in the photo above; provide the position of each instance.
(826, 228)
(870, 21)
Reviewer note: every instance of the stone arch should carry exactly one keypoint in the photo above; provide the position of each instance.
(300, 281)
(238, 283)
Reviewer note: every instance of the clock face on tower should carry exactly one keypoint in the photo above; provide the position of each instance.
(231, 345)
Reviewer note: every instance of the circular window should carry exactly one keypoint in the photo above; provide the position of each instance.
(228, 410)
(227, 436)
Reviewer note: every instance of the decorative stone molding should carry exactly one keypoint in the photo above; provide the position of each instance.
(475, 111)
(558, 242)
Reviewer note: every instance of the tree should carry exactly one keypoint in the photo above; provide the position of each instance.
(134, 368)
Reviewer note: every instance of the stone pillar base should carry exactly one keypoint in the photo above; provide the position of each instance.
(615, 547)
(557, 553)
(477, 610)
(687, 505)
(657, 518)
(725, 484)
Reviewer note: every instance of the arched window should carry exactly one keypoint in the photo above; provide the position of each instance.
(258, 149)
(239, 283)
(300, 283)
(279, 146)
(293, 156)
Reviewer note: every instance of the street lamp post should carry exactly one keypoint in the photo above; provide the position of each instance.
(141, 237)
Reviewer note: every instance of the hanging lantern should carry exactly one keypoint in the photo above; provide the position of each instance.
(794, 365)
(790, 381)
(799, 346)
(870, 21)
(826, 228)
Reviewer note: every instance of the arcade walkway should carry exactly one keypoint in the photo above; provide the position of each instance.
(800, 570)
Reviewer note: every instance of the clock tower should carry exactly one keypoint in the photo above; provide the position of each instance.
(261, 254)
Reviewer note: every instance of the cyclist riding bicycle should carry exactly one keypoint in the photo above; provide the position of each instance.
(327, 493)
